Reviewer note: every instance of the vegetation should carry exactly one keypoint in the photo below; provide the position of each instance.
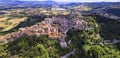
(17, 23)
(86, 42)
(89, 47)
(8, 24)
(32, 47)
(110, 29)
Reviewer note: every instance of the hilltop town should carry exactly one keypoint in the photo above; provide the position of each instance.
(55, 28)
(48, 29)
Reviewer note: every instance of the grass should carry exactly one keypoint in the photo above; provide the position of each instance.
(7, 24)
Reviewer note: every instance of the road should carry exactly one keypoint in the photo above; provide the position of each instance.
(68, 54)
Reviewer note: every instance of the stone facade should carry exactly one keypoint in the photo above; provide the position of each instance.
(44, 28)
(55, 28)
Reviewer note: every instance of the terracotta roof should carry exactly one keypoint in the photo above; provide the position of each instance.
(53, 35)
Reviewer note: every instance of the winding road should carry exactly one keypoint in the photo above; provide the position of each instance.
(68, 54)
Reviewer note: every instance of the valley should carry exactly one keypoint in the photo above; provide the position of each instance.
(56, 30)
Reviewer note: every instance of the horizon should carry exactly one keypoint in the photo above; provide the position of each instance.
(73, 0)
(57, 1)
(77, 0)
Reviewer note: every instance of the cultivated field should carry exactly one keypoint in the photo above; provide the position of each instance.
(9, 23)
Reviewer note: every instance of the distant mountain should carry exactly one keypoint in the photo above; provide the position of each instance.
(5, 1)
(26, 2)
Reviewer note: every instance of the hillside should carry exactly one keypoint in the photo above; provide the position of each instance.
(86, 43)
(75, 30)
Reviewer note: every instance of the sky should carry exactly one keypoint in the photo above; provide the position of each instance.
(78, 0)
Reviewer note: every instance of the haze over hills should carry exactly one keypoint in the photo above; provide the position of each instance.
(26, 2)
(50, 1)
(5, 1)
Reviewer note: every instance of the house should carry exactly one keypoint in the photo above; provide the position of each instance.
(49, 20)
(54, 35)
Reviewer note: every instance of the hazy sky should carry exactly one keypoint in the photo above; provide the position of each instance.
(78, 0)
